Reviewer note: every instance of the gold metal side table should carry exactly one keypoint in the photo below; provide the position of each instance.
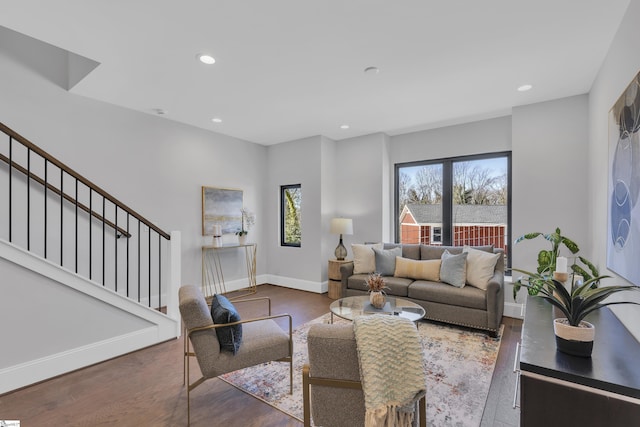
(213, 276)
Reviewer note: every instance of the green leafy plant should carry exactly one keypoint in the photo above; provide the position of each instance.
(547, 262)
(582, 300)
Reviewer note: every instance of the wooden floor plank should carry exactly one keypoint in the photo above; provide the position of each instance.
(145, 388)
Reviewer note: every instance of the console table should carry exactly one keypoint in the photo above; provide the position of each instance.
(212, 274)
(558, 389)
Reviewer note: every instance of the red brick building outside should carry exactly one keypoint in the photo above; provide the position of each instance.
(474, 225)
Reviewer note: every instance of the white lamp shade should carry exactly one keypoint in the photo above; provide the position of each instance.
(341, 226)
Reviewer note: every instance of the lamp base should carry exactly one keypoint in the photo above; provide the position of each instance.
(341, 251)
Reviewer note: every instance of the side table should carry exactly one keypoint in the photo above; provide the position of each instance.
(335, 278)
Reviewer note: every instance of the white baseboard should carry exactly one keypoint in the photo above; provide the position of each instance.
(303, 285)
(512, 309)
(34, 371)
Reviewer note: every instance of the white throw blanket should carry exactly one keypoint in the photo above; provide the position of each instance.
(391, 369)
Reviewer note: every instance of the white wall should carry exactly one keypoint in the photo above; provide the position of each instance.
(154, 165)
(296, 162)
(550, 173)
(360, 186)
(620, 66)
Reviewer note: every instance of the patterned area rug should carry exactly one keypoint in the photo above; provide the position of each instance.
(459, 365)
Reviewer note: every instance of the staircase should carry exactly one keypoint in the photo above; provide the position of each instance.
(83, 277)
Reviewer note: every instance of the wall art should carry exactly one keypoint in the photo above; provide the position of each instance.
(221, 206)
(623, 236)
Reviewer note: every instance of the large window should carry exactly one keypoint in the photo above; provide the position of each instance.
(290, 215)
(455, 201)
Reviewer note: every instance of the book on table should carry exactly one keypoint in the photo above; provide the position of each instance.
(370, 309)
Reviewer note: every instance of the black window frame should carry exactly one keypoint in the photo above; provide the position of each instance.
(447, 196)
(283, 210)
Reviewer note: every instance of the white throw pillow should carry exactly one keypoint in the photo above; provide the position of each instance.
(364, 259)
(480, 267)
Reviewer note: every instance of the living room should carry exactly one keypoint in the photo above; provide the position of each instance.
(559, 152)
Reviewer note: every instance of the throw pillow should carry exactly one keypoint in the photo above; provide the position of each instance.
(453, 269)
(480, 267)
(418, 270)
(222, 311)
(386, 260)
(364, 260)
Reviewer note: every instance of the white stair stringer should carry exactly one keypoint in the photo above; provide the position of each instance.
(53, 321)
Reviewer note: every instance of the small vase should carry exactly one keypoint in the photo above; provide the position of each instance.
(377, 299)
(574, 340)
(242, 240)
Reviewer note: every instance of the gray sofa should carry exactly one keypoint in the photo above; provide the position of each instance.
(467, 306)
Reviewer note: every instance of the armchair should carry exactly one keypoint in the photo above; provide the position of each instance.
(332, 391)
(263, 341)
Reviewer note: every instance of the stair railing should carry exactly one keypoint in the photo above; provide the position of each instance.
(56, 213)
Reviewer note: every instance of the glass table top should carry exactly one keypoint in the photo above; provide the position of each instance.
(351, 307)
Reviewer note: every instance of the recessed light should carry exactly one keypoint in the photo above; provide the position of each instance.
(524, 88)
(160, 111)
(216, 120)
(371, 70)
(344, 127)
(205, 58)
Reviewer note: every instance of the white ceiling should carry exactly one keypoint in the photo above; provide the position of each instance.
(288, 69)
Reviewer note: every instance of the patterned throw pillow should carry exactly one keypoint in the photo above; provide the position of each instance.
(222, 311)
(418, 270)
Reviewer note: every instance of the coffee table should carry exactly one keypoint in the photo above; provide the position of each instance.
(351, 307)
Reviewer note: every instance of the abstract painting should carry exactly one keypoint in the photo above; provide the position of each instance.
(623, 239)
(221, 206)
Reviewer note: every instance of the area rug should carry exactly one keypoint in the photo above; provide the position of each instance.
(459, 365)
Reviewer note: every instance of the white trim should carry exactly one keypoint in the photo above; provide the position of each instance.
(512, 309)
(300, 284)
(581, 387)
(163, 327)
(33, 371)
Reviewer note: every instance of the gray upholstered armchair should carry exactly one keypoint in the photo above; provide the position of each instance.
(332, 390)
(262, 341)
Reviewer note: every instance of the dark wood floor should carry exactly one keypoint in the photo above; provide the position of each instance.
(145, 388)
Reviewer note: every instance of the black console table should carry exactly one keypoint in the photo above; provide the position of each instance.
(558, 389)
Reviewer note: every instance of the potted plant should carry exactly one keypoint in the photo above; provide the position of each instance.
(248, 220)
(376, 285)
(573, 334)
(547, 260)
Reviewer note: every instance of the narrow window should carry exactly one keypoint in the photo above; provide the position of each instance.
(291, 215)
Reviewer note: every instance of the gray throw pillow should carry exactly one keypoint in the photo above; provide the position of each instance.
(453, 269)
(222, 311)
(386, 260)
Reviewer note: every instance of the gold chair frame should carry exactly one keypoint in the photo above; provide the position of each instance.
(308, 381)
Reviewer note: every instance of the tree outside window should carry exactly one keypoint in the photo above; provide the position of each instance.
(291, 215)
(455, 201)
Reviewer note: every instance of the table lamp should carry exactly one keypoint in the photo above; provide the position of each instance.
(341, 226)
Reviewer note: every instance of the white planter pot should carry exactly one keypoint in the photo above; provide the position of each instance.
(242, 239)
(574, 340)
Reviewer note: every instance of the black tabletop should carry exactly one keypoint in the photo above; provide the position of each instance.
(614, 364)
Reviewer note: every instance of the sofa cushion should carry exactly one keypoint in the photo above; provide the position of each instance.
(397, 286)
(364, 261)
(453, 269)
(415, 269)
(222, 311)
(433, 252)
(409, 250)
(445, 294)
(386, 260)
(480, 267)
